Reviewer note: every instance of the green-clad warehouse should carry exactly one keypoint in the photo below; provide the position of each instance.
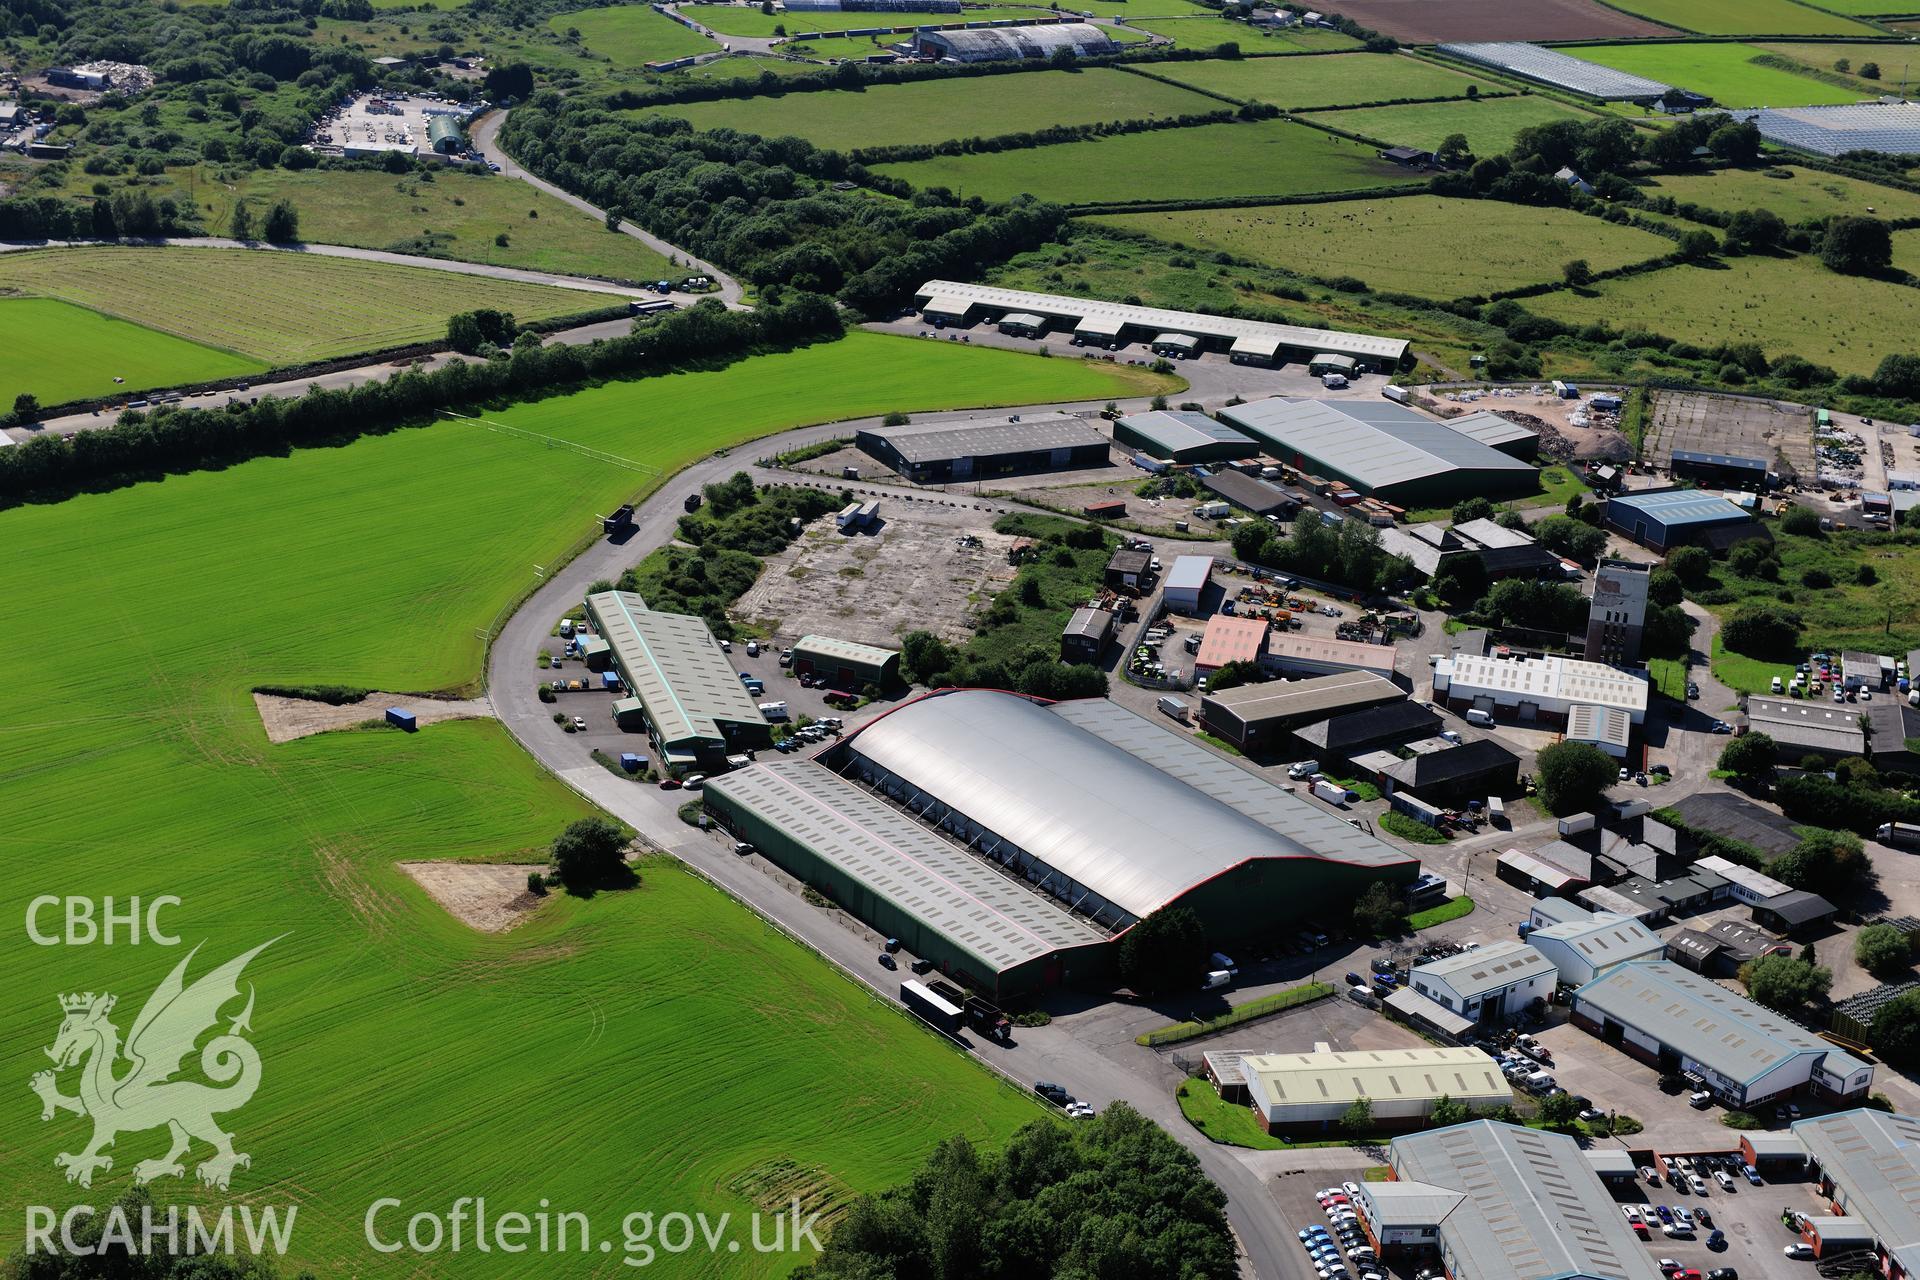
(845, 665)
(1177, 435)
(1072, 821)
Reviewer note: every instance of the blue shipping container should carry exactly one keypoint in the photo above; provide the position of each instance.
(631, 762)
(401, 719)
(609, 680)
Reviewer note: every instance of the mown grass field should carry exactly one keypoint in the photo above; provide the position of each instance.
(456, 215)
(1427, 245)
(1489, 123)
(935, 110)
(1331, 81)
(1744, 17)
(1211, 31)
(1272, 157)
(633, 35)
(1806, 193)
(282, 308)
(1790, 306)
(58, 351)
(612, 1054)
(1724, 72)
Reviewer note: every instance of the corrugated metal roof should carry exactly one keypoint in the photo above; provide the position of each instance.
(1175, 430)
(1604, 939)
(1758, 883)
(1703, 1020)
(1588, 723)
(1179, 756)
(1355, 654)
(1534, 1208)
(675, 667)
(1158, 320)
(1409, 1204)
(1678, 507)
(1541, 870)
(1802, 722)
(1125, 827)
(958, 894)
(1189, 573)
(1550, 66)
(842, 650)
(1382, 1075)
(1407, 1001)
(1874, 1158)
(1556, 679)
(937, 443)
(1489, 428)
(1230, 639)
(1291, 699)
(1375, 448)
(1496, 966)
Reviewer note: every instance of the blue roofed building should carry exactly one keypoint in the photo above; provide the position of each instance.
(1665, 518)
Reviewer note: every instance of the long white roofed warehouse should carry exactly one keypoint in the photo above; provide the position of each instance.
(1008, 840)
(1090, 320)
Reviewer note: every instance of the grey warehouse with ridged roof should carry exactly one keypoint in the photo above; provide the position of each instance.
(1090, 809)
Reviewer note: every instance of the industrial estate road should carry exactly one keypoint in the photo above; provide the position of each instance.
(1040, 1053)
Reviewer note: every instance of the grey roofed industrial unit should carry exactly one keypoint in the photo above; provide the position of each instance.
(935, 443)
(1292, 699)
(1376, 449)
(1799, 722)
(1094, 624)
(1490, 429)
(1533, 1208)
(1550, 66)
(1437, 768)
(1601, 941)
(1874, 1157)
(1178, 429)
(1892, 127)
(1116, 315)
(844, 650)
(678, 671)
(1738, 819)
(960, 895)
(1180, 757)
(1798, 907)
(1189, 573)
(1022, 42)
(1248, 493)
(1700, 1019)
(1494, 967)
(1404, 720)
(1089, 808)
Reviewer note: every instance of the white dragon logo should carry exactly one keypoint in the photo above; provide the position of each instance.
(144, 1096)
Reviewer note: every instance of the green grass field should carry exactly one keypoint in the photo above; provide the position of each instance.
(1128, 9)
(283, 308)
(633, 35)
(1724, 72)
(1427, 245)
(1788, 305)
(1232, 1123)
(613, 1054)
(1324, 82)
(1211, 31)
(58, 351)
(1744, 17)
(934, 110)
(1271, 157)
(456, 215)
(1489, 124)
(1806, 194)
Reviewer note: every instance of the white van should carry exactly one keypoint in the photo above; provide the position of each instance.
(774, 710)
(1476, 716)
(1216, 979)
(1304, 769)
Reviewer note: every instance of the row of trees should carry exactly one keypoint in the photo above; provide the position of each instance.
(750, 203)
(142, 445)
(1348, 554)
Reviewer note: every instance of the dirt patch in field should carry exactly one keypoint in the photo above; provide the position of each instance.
(1428, 22)
(288, 718)
(489, 896)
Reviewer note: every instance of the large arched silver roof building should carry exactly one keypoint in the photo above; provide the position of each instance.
(1113, 815)
(992, 44)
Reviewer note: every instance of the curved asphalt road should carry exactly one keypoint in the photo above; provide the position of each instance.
(483, 136)
(1040, 1053)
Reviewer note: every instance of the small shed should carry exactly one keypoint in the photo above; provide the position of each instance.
(631, 762)
(1108, 509)
(401, 718)
(610, 681)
